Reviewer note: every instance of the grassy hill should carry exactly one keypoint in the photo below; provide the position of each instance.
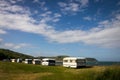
(19, 71)
(8, 54)
(58, 58)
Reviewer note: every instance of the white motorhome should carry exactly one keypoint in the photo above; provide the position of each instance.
(19, 60)
(74, 62)
(48, 62)
(28, 61)
(13, 60)
(36, 61)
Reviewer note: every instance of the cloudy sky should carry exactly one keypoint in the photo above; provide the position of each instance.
(87, 28)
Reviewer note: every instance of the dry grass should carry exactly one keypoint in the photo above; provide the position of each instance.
(30, 76)
(78, 71)
(23, 76)
(15, 71)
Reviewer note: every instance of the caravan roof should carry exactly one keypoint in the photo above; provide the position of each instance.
(36, 59)
(48, 59)
(28, 59)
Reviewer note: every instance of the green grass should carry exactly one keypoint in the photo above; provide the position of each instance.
(19, 71)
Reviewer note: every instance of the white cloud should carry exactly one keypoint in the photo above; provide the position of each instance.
(1, 40)
(104, 22)
(15, 1)
(48, 16)
(118, 3)
(57, 15)
(96, 0)
(36, 1)
(87, 18)
(41, 4)
(73, 6)
(56, 20)
(106, 34)
(2, 31)
(62, 4)
(108, 37)
(35, 12)
(15, 46)
(84, 3)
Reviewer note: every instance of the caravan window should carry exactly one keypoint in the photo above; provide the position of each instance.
(81, 60)
(65, 61)
(45, 61)
(51, 61)
(72, 61)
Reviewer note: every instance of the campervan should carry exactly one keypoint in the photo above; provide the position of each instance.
(48, 62)
(28, 61)
(74, 62)
(13, 60)
(19, 60)
(36, 61)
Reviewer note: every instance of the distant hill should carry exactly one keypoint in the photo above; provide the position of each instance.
(58, 58)
(91, 59)
(8, 54)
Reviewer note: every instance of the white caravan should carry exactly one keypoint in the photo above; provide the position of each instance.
(36, 61)
(48, 62)
(13, 60)
(28, 61)
(19, 60)
(74, 62)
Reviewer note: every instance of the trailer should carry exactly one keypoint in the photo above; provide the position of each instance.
(48, 62)
(19, 60)
(74, 62)
(28, 61)
(13, 60)
(36, 61)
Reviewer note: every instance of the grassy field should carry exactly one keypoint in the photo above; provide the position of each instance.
(18, 71)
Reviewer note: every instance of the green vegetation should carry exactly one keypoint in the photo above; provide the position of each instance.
(20, 71)
(58, 58)
(8, 54)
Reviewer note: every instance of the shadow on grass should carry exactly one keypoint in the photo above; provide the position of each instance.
(84, 67)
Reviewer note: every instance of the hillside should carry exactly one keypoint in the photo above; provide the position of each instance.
(91, 59)
(8, 54)
(58, 58)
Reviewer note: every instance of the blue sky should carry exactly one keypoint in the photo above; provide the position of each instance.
(87, 28)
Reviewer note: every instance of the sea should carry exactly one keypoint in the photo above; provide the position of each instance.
(99, 63)
(107, 63)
